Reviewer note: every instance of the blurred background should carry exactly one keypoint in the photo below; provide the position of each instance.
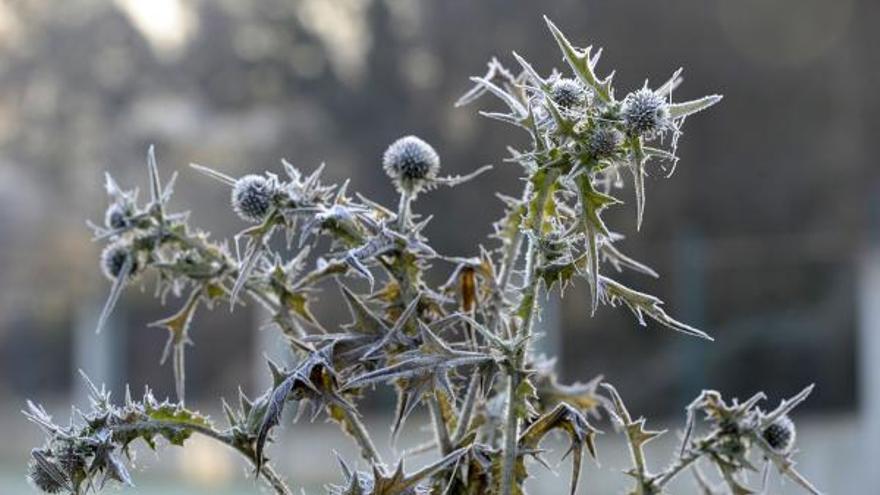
(767, 235)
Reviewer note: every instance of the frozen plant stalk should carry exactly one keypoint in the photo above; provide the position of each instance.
(461, 349)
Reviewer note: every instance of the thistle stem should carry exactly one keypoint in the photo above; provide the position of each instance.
(680, 465)
(178, 362)
(509, 260)
(271, 477)
(685, 460)
(511, 254)
(511, 427)
(362, 437)
(403, 210)
(511, 434)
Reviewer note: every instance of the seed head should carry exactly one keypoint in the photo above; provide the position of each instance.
(568, 93)
(780, 435)
(644, 112)
(42, 479)
(252, 197)
(113, 259)
(411, 163)
(603, 141)
(118, 216)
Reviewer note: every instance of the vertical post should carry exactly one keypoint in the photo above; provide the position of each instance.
(868, 343)
(549, 325)
(268, 342)
(690, 268)
(97, 355)
(868, 359)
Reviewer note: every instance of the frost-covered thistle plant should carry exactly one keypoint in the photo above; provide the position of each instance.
(462, 349)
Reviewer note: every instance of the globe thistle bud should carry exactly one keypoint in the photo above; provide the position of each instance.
(118, 216)
(644, 112)
(252, 197)
(411, 163)
(41, 478)
(568, 93)
(113, 259)
(780, 435)
(603, 142)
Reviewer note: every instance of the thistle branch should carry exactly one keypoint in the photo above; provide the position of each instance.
(362, 437)
(532, 281)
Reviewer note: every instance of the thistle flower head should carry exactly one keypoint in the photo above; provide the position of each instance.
(252, 197)
(118, 215)
(644, 112)
(41, 478)
(780, 435)
(411, 163)
(603, 141)
(113, 259)
(568, 93)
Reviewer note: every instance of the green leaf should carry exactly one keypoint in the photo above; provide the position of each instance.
(541, 202)
(525, 305)
(153, 170)
(183, 420)
(579, 431)
(561, 272)
(526, 394)
(400, 483)
(364, 320)
(178, 326)
(592, 203)
(298, 302)
(679, 110)
(507, 228)
(312, 382)
(637, 167)
(620, 261)
(494, 71)
(517, 110)
(214, 291)
(582, 396)
(636, 434)
(565, 125)
(527, 67)
(257, 237)
(417, 368)
(583, 64)
(642, 304)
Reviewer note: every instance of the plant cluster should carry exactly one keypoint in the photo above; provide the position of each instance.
(461, 349)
